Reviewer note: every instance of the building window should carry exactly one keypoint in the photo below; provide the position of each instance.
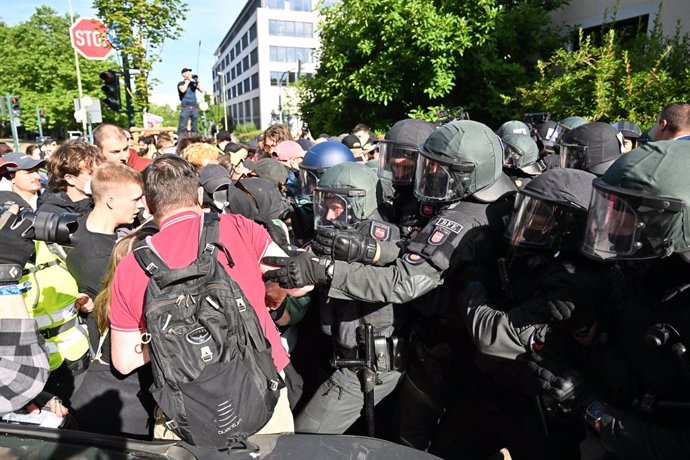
(234, 91)
(240, 112)
(239, 89)
(232, 74)
(275, 4)
(245, 63)
(254, 57)
(256, 111)
(275, 76)
(290, 54)
(248, 108)
(290, 29)
(300, 5)
(626, 31)
(252, 32)
(245, 40)
(238, 69)
(238, 49)
(232, 54)
(246, 85)
(255, 81)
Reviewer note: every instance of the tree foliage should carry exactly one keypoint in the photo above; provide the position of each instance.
(38, 66)
(381, 58)
(613, 80)
(142, 27)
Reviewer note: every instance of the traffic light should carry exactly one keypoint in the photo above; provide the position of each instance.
(42, 115)
(16, 107)
(111, 89)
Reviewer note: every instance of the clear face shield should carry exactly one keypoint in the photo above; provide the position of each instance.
(397, 162)
(624, 224)
(309, 180)
(435, 181)
(539, 224)
(573, 156)
(335, 206)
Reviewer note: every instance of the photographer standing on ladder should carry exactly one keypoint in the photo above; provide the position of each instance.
(187, 89)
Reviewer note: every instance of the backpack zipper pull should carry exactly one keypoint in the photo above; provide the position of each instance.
(241, 306)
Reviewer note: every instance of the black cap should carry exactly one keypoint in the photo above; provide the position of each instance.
(186, 69)
(352, 142)
(213, 176)
(223, 135)
(268, 168)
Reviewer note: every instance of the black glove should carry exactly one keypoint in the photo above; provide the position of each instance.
(297, 271)
(16, 246)
(558, 309)
(342, 242)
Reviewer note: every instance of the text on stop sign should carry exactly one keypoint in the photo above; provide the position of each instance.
(88, 38)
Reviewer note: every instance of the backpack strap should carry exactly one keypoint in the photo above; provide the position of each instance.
(209, 237)
(158, 270)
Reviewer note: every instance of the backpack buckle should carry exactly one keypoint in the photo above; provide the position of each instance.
(206, 354)
(241, 306)
(151, 268)
(209, 248)
(273, 385)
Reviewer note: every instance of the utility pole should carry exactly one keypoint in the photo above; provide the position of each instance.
(13, 125)
(39, 120)
(128, 91)
(224, 99)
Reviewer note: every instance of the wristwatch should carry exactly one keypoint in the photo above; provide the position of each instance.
(594, 413)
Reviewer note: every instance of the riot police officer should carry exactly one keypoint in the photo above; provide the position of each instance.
(639, 217)
(592, 147)
(346, 197)
(521, 158)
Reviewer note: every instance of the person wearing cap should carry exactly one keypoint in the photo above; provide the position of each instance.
(223, 138)
(47, 147)
(187, 89)
(459, 168)
(673, 123)
(26, 180)
(591, 147)
(290, 154)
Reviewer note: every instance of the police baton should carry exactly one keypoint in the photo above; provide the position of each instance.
(367, 371)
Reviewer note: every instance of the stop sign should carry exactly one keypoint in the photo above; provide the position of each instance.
(89, 38)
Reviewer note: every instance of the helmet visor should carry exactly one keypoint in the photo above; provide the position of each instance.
(624, 224)
(537, 224)
(436, 181)
(334, 206)
(309, 180)
(573, 156)
(557, 134)
(397, 162)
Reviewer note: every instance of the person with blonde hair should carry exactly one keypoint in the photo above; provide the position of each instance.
(125, 398)
(200, 154)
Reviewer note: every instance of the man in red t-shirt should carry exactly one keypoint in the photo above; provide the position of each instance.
(173, 196)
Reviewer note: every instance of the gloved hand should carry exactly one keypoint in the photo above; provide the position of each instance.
(16, 246)
(298, 271)
(559, 309)
(342, 242)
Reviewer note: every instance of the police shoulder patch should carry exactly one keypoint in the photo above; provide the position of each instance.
(412, 258)
(438, 236)
(380, 231)
(450, 225)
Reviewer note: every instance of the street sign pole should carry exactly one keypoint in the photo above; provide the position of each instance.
(128, 91)
(38, 120)
(13, 125)
(76, 66)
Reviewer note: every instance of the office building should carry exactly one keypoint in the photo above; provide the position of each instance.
(269, 46)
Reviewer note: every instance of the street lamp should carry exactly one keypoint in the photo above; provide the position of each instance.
(225, 102)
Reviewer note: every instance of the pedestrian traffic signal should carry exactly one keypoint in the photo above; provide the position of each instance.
(16, 107)
(111, 89)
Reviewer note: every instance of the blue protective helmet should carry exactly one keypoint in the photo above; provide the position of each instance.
(318, 159)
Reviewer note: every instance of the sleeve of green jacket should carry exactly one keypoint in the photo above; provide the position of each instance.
(398, 283)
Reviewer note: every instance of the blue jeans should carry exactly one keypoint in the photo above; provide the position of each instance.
(188, 113)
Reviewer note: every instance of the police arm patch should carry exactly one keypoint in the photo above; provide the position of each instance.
(380, 231)
(412, 258)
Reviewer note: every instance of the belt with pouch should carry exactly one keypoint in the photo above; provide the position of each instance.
(390, 354)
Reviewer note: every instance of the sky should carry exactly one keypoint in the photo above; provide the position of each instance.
(207, 21)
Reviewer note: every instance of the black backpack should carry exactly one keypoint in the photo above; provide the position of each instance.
(214, 377)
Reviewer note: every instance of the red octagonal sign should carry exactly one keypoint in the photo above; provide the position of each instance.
(89, 38)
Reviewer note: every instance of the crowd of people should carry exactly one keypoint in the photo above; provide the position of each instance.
(516, 292)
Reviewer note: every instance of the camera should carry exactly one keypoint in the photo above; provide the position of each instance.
(195, 77)
(305, 128)
(536, 118)
(47, 226)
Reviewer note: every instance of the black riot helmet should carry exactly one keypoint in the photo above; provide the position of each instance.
(398, 150)
(592, 147)
(551, 210)
(640, 209)
(459, 159)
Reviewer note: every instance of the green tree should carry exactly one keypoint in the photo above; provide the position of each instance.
(379, 59)
(142, 27)
(615, 79)
(38, 66)
(170, 116)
